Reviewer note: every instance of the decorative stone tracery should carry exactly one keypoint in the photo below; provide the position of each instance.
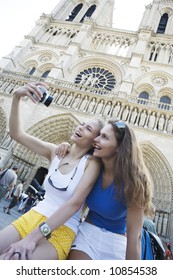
(162, 176)
(96, 77)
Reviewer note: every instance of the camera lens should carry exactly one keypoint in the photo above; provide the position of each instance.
(46, 98)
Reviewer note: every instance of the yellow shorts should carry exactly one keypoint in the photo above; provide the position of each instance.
(61, 238)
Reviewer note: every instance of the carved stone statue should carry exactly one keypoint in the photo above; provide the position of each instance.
(116, 110)
(61, 99)
(143, 118)
(76, 102)
(99, 107)
(170, 126)
(159, 224)
(125, 113)
(133, 116)
(107, 109)
(152, 119)
(84, 103)
(68, 100)
(161, 123)
(92, 105)
(165, 221)
(156, 219)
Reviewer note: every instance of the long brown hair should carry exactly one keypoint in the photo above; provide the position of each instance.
(130, 169)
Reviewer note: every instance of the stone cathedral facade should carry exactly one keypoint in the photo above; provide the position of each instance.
(95, 70)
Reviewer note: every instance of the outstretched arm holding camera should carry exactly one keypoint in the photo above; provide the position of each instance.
(17, 132)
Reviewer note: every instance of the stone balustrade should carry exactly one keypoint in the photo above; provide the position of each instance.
(147, 114)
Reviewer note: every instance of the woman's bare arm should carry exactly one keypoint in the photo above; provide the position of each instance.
(17, 132)
(134, 226)
(27, 245)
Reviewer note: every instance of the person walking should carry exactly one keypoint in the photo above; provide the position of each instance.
(31, 201)
(8, 179)
(16, 197)
(168, 251)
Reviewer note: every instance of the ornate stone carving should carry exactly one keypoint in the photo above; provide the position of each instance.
(96, 77)
(143, 117)
(45, 58)
(159, 81)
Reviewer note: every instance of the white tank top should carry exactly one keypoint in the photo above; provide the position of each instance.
(54, 197)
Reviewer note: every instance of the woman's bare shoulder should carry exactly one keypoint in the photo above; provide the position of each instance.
(94, 160)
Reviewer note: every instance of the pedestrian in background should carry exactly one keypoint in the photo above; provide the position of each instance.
(8, 180)
(168, 252)
(16, 197)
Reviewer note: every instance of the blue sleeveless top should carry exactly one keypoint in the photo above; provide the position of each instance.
(106, 210)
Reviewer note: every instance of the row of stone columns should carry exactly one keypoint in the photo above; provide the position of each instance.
(160, 52)
(117, 45)
(105, 108)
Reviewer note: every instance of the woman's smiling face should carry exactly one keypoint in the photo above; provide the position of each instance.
(85, 133)
(105, 144)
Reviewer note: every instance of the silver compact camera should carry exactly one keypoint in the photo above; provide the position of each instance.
(46, 98)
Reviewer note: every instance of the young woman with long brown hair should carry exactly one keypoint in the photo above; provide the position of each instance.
(118, 201)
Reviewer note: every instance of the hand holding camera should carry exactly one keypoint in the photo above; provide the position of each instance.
(37, 92)
(46, 98)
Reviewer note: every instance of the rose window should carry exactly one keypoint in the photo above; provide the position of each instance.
(96, 77)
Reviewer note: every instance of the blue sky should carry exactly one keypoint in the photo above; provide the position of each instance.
(18, 17)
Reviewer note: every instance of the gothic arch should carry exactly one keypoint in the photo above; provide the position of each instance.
(166, 10)
(96, 61)
(3, 124)
(31, 70)
(166, 91)
(89, 12)
(45, 67)
(148, 78)
(163, 23)
(31, 62)
(74, 12)
(30, 65)
(161, 174)
(40, 58)
(54, 129)
(45, 74)
(144, 87)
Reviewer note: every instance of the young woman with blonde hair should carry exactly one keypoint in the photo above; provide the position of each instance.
(48, 230)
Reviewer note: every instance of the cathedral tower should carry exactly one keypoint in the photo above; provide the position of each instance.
(158, 17)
